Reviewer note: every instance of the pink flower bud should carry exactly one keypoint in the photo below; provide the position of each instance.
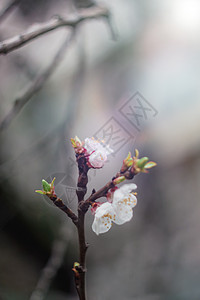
(118, 180)
(97, 153)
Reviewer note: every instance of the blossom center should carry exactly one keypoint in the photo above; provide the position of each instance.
(108, 216)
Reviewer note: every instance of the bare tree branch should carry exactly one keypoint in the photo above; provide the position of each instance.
(39, 29)
(112, 28)
(84, 3)
(8, 9)
(36, 85)
(59, 203)
(129, 174)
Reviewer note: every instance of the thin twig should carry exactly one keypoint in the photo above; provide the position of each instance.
(6, 10)
(7, 169)
(36, 85)
(59, 203)
(39, 29)
(100, 193)
(96, 195)
(129, 174)
(84, 3)
(80, 270)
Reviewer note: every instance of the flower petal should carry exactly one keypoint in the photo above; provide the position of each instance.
(97, 152)
(97, 159)
(104, 216)
(107, 149)
(123, 191)
(124, 213)
(123, 208)
(91, 145)
(127, 188)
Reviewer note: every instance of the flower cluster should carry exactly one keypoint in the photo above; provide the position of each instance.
(119, 204)
(95, 152)
(98, 154)
(117, 209)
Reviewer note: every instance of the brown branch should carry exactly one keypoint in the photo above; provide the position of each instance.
(83, 178)
(6, 10)
(59, 203)
(36, 85)
(40, 29)
(100, 193)
(80, 281)
(129, 174)
(79, 274)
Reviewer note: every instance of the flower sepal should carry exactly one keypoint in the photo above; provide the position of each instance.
(94, 207)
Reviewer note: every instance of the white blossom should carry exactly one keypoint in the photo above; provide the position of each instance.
(104, 216)
(118, 211)
(97, 154)
(123, 202)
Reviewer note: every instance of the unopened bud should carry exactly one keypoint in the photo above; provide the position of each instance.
(136, 153)
(76, 142)
(46, 186)
(52, 183)
(118, 180)
(76, 264)
(142, 162)
(40, 192)
(128, 160)
(73, 142)
(150, 165)
(128, 156)
(75, 269)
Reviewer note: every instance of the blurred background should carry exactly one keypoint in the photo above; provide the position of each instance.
(143, 89)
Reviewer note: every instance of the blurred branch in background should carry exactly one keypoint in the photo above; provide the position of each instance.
(35, 31)
(7, 9)
(61, 243)
(7, 170)
(84, 3)
(56, 22)
(37, 83)
(55, 261)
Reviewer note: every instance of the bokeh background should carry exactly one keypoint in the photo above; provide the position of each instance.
(156, 255)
